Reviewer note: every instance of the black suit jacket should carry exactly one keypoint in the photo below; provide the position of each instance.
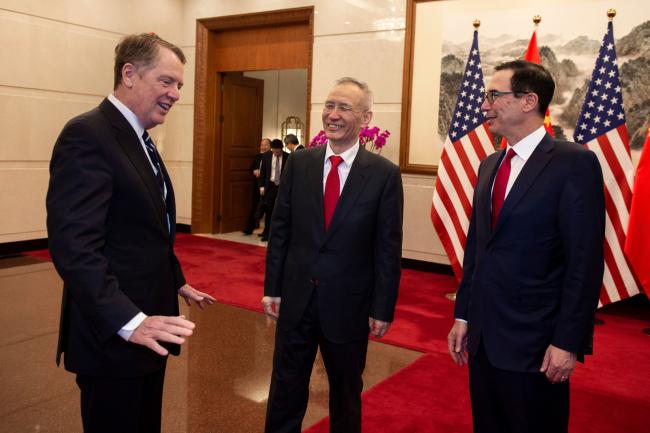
(354, 266)
(534, 280)
(110, 242)
(256, 163)
(265, 172)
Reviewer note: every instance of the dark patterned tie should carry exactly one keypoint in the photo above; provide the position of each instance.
(155, 159)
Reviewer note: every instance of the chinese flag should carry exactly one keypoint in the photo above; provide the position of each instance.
(532, 55)
(637, 243)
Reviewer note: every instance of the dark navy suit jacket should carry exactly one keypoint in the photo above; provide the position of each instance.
(110, 242)
(535, 279)
(354, 267)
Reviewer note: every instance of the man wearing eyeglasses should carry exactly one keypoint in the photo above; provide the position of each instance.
(533, 263)
(333, 264)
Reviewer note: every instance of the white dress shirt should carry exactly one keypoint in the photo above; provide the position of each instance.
(275, 160)
(343, 168)
(523, 150)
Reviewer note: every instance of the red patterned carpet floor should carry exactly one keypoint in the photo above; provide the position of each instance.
(610, 393)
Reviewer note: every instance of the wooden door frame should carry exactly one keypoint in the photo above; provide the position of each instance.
(206, 175)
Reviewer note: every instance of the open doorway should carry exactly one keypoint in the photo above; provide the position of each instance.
(275, 43)
(255, 105)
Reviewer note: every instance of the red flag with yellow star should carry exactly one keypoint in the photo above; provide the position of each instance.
(637, 242)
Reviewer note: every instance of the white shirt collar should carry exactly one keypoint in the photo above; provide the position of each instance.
(128, 115)
(528, 144)
(348, 156)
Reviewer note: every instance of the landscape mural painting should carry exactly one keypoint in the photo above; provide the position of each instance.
(568, 38)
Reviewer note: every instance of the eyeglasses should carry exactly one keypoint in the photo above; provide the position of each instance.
(491, 95)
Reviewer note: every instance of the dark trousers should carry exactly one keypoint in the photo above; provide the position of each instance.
(121, 404)
(515, 402)
(257, 209)
(270, 195)
(295, 351)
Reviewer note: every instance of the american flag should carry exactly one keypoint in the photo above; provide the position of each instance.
(601, 126)
(468, 142)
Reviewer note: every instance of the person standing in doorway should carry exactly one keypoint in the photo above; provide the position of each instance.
(273, 164)
(257, 207)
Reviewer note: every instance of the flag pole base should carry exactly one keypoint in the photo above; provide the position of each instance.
(451, 296)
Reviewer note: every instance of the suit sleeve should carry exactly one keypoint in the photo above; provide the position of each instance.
(461, 306)
(78, 201)
(581, 217)
(388, 248)
(276, 252)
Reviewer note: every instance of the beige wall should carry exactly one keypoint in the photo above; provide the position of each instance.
(61, 60)
(57, 63)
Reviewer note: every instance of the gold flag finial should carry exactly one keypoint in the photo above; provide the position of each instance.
(537, 19)
(476, 24)
(611, 13)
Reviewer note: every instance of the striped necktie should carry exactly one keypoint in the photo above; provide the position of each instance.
(155, 159)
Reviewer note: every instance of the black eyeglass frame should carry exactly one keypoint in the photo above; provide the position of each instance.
(491, 95)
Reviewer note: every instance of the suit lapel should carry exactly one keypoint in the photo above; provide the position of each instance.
(354, 184)
(484, 192)
(315, 179)
(130, 144)
(533, 167)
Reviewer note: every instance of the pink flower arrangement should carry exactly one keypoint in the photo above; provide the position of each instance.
(373, 139)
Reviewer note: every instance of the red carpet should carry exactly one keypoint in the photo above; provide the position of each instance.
(610, 393)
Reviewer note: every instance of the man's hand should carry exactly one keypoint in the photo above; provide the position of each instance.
(558, 364)
(272, 306)
(457, 342)
(256, 172)
(161, 328)
(261, 190)
(189, 293)
(378, 328)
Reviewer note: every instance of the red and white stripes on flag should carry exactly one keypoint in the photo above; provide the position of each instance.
(601, 126)
(468, 142)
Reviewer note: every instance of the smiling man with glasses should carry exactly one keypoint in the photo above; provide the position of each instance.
(533, 263)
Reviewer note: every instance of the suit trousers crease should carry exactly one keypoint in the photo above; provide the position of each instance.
(121, 404)
(515, 402)
(295, 352)
(269, 203)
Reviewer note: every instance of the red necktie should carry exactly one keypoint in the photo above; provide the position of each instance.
(500, 184)
(332, 189)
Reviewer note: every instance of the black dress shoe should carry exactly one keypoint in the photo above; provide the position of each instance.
(263, 235)
(264, 238)
(247, 232)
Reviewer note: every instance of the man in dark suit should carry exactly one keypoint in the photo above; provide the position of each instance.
(111, 223)
(533, 263)
(273, 164)
(333, 263)
(292, 143)
(257, 207)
